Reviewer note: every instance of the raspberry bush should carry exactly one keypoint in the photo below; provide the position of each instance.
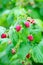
(21, 35)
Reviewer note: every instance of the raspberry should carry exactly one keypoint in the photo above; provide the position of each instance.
(27, 24)
(13, 51)
(33, 22)
(3, 35)
(9, 42)
(28, 56)
(30, 20)
(18, 28)
(30, 37)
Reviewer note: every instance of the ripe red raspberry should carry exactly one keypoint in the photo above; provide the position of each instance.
(3, 35)
(28, 56)
(30, 37)
(13, 51)
(18, 28)
(27, 24)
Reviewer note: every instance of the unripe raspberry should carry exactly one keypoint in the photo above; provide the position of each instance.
(27, 24)
(29, 19)
(28, 56)
(13, 51)
(3, 35)
(18, 28)
(30, 37)
(9, 42)
(33, 22)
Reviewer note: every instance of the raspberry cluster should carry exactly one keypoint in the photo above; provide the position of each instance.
(18, 28)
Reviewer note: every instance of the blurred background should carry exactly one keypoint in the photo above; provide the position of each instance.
(10, 9)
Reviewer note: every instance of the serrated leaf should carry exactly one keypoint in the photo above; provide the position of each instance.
(37, 53)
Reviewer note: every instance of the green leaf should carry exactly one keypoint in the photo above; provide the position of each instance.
(23, 50)
(13, 36)
(5, 51)
(37, 53)
(10, 19)
(2, 30)
(41, 11)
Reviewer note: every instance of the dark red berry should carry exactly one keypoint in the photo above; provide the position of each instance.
(27, 24)
(18, 28)
(30, 37)
(13, 51)
(28, 56)
(3, 35)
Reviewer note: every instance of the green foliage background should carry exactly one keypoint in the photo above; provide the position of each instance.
(13, 12)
